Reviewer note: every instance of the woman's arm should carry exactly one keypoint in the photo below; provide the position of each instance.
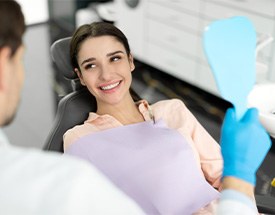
(206, 149)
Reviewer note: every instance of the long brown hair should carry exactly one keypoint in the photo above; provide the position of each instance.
(97, 29)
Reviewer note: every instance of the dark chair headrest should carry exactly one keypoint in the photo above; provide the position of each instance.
(73, 109)
(60, 52)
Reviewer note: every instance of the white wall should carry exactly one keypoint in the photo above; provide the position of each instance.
(35, 11)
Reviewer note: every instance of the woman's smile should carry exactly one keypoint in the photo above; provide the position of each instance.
(110, 87)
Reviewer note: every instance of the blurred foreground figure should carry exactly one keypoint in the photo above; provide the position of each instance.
(34, 182)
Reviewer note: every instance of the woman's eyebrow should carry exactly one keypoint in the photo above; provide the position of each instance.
(88, 60)
(113, 53)
(108, 55)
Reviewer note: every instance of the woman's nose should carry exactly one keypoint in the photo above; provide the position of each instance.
(105, 72)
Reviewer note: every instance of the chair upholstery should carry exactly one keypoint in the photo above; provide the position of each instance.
(60, 52)
(265, 204)
(73, 109)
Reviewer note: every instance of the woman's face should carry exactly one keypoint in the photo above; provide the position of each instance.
(105, 69)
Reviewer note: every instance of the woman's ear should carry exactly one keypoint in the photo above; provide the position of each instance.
(131, 61)
(79, 74)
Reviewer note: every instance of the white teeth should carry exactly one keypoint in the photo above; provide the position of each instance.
(109, 87)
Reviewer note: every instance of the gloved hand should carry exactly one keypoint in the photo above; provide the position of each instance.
(244, 145)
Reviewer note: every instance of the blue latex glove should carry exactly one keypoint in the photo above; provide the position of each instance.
(244, 145)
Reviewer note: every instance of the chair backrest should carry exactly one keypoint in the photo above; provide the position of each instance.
(73, 109)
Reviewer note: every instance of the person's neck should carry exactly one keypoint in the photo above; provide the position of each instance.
(125, 112)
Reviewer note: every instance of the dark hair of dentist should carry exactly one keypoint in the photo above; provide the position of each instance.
(12, 25)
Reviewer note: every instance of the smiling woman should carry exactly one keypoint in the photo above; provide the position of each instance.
(158, 154)
(105, 68)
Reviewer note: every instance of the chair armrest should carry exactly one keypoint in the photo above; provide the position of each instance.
(265, 204)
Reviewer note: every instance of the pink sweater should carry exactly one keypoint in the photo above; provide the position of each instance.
(177, 116)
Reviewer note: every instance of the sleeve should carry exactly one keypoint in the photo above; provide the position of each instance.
(206, 149)
(68, 138)
(209, 151)
(92, 193)
(235, 203)
(57, 185)
(77, 132)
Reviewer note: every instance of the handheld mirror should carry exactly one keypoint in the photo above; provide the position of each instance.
(230, 48)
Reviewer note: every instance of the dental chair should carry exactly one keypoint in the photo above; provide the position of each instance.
(73, 109)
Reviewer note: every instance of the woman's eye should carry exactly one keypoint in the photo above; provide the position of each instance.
(115, 58)
(90, 66)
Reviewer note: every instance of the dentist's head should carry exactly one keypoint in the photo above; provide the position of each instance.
(12, 28)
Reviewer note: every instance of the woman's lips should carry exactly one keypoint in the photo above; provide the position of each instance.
(110, 86)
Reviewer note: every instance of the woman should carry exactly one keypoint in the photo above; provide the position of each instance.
(157, 154)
